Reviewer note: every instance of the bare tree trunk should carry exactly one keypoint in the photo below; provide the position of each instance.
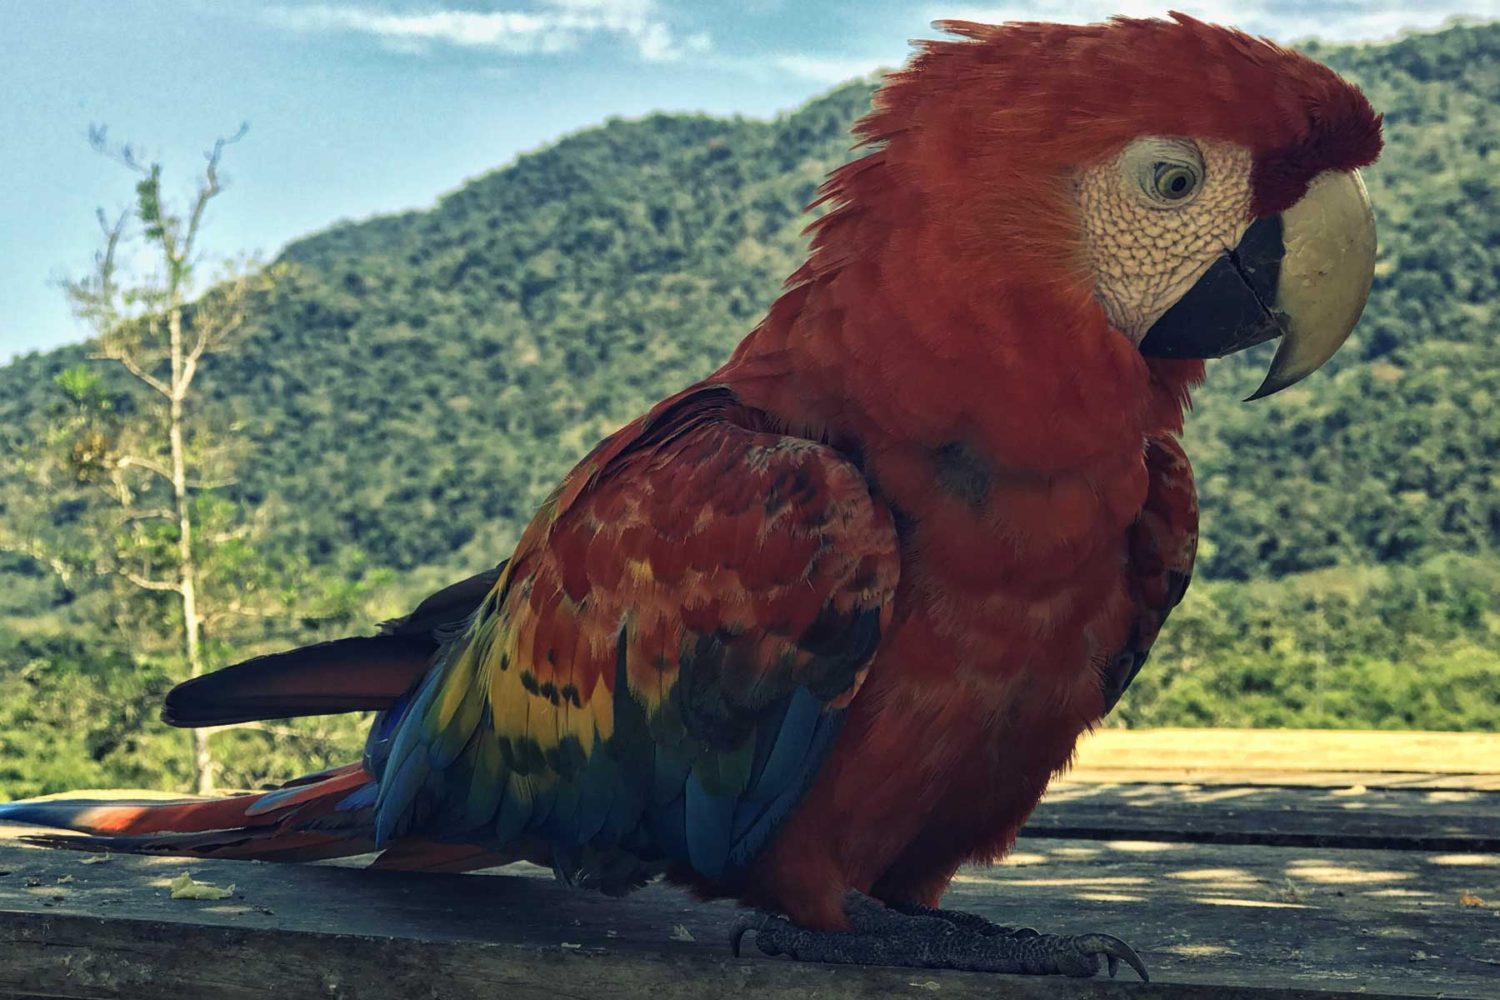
(187, 581)
(130, 327)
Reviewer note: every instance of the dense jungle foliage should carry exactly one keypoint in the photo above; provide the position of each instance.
(415, 384)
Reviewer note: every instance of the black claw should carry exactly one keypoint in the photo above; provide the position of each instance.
(1114, 951)
(744, 926)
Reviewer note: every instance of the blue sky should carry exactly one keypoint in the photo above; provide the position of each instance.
(370, 106)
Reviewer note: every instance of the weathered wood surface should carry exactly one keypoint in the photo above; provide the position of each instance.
(1210, 920)
(1351, 816)
(1350, 880)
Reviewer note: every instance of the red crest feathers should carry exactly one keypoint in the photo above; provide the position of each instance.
(1068, 94)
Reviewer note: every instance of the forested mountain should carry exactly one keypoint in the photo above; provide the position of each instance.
(422, 380)
(418, 382)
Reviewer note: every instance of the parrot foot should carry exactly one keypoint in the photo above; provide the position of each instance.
(971, 922)
(922, 937)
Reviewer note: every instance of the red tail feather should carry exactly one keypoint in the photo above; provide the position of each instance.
(294, 823)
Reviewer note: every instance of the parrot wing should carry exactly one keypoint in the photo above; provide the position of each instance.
(1163, 542)
(665, 660)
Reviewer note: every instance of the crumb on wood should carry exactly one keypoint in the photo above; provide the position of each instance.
(1290, 892)
(183, 887)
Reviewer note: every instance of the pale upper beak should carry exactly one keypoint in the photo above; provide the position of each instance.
(1303, 276)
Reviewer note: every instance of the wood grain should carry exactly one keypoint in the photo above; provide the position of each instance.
(1211, 920)
(1352, 815)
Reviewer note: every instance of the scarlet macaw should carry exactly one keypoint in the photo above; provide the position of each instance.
(818, 630)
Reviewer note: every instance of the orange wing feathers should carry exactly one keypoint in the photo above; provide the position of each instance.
(667, 655)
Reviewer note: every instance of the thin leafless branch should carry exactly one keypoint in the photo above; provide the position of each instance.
(150, 514)
(123, 357)
(281, 732)
(146, 583)
(211, 187)
(238, 610)
(136, 462)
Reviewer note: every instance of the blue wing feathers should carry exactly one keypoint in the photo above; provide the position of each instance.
(514, 812)
(362, 798)
(709, 820)
(668, 827)
(787, 744)
(483, 799)
(596, 798)
(562, 823)
(752, 838)
(408, 755)
(542, 802)
(401, 785)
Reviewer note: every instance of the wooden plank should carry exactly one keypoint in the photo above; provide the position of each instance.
(1238, 923)
(88, 958)
(1352, 816)
(1290, 750)
(1368, 922)
(1413, 780)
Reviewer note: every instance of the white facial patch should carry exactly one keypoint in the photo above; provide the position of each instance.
(1155, 217)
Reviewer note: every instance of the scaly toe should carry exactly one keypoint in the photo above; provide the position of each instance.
(971, 922)
(922, 937)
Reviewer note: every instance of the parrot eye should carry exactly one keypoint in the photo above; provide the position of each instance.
(1167, 172)
(1173, 181)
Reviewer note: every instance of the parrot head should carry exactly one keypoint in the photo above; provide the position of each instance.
(1197, 188)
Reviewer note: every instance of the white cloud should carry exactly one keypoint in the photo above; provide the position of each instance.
(547, 26)
(1286, 20)
(824, 68)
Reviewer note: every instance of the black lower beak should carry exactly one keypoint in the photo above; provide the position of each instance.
(1231, 307)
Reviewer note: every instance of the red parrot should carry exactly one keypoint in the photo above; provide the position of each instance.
(819, 629)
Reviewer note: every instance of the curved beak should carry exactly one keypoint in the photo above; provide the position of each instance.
(1303, 276)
